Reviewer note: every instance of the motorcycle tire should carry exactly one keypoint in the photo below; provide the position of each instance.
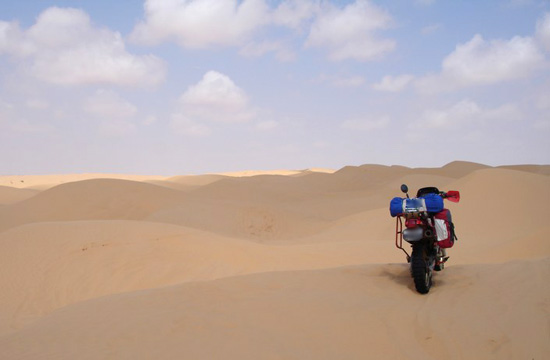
(421, 270)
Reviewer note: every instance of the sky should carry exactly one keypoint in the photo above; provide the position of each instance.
(169, 87)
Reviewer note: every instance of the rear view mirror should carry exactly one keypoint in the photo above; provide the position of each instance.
(453, 196)
(405, 189)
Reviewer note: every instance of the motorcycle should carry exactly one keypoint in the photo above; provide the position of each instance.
(429, 230)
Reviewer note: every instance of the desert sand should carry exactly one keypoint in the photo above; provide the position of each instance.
(279, 264)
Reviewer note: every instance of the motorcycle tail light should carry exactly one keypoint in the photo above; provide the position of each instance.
(412, 223)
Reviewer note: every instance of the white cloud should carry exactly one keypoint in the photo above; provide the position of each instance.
(350, 81)
(64, 47)
(393, 83)
(342, 81)
(201, 23)
(115, 113)
(366, 124)
(506, 112)
(480, 62)
(348, 33)
(282, 51)
(466, 112)
(215, 89)
(216, 98)
(13, 41)
(543, 31)
(108, 104)
(186, 126)
(294, 13)
(460, 112)
(207, 23)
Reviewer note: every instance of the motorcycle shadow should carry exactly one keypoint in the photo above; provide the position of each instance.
(399, 274)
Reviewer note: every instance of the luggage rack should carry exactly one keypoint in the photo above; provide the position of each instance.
(399, 236)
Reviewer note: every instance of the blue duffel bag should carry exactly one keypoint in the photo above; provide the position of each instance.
(434, 202)
(430, 202)
(396, 206)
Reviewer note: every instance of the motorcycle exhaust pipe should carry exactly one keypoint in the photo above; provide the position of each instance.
(428, 233)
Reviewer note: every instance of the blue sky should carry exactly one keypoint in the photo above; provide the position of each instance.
(194, 86)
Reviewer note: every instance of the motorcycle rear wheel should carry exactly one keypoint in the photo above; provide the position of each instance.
(420, 268)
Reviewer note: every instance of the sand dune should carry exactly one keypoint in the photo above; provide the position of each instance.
(105, 199)
(189, 182)
(42, 182)
(270, 265)
(515, 213)
(68, 262)
(368, 311)
(10, 195)
(537, 169)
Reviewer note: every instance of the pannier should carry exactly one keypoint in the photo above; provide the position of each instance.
(445, 229)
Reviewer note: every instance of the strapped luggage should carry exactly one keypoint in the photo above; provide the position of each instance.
(445, 229)
(432, 203)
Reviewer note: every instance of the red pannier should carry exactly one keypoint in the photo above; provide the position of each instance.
(444, 229)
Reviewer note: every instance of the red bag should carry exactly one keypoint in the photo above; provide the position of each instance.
(444, 229)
